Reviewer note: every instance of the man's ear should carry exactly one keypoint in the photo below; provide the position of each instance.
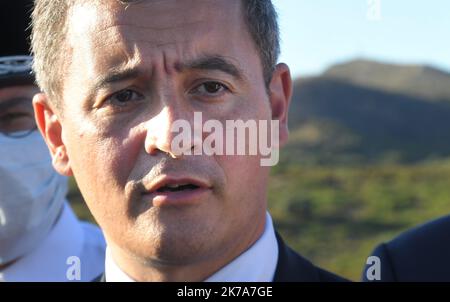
(280, 90)
(50, 127)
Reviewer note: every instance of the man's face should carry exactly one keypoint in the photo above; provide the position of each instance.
(135, 71)
(16, 110)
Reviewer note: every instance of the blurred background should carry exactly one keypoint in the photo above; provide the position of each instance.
(369, 151)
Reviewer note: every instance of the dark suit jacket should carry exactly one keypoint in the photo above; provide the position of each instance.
(291, 267)
(420, 254)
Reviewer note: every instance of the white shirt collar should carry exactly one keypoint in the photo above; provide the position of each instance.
(113, 273)
(48, 261)
(257, 264)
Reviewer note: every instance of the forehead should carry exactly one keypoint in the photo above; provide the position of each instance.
(109, 33)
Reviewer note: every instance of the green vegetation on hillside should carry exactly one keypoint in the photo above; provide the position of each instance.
(336, 215)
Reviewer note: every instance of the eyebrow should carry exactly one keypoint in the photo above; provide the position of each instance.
(207, 62)
(13, 102)
(116, 75)
(213, 62)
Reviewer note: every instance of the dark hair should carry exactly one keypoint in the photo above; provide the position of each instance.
(262, 22)
(49, 20)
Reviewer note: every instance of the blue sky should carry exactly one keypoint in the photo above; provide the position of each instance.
(319, 33)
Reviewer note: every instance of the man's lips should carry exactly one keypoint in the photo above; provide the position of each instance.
(168, 182)
(176, 190)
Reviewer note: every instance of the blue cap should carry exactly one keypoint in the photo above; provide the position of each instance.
(15, 62)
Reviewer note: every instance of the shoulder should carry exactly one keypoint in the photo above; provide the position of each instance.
(292, 267)
(423, 237)
(419, 254)
(93, 236)
(93, 250)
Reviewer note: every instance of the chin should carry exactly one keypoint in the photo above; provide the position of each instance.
(176, 250)
(177, 243)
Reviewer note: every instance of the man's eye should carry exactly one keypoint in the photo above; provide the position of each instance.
(124, 97)
(211, 88)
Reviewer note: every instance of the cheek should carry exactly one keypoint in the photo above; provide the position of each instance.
(244, 174)
(255, 106)
(102, 164)
(119, 158)
(245, 177)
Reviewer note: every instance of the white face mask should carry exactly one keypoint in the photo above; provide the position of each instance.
(32, 195)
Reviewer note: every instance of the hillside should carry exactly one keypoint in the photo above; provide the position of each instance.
(335, 120)
(415, 80)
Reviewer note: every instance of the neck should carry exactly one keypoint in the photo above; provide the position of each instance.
(154, 270)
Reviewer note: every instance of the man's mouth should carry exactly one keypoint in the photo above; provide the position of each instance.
(176, 191)
(177, 188)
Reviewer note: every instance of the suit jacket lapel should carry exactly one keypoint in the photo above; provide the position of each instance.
(292, 267)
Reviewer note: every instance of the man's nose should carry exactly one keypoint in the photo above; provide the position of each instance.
(163, 128)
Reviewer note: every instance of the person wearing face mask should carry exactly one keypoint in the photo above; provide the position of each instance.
(40, 237)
